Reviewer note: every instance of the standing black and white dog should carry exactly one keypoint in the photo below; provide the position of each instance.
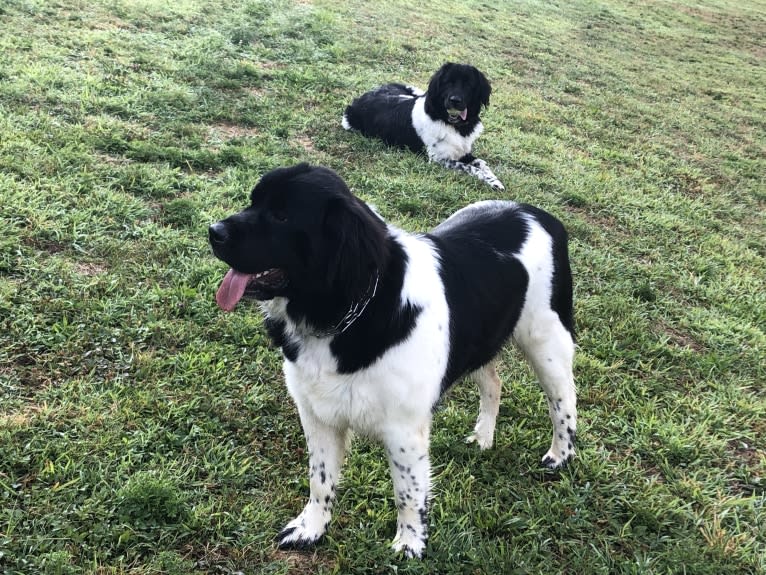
(375, 324)
(443, 121)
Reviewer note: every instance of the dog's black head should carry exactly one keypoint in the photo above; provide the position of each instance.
(456, 94)
(304, 236)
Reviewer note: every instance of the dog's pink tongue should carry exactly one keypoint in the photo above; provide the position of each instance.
(231, 290)
(464, 114)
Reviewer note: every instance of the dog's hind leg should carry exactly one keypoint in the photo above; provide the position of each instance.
(407, 449)
(550, 350)
(327, 448)
(489, 404)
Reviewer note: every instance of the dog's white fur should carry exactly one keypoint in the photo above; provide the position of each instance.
(392, 399)
(442, 141)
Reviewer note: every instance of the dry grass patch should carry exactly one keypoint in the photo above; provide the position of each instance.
(225, 132)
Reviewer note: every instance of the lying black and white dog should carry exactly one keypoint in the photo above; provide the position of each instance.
(443, 121)
(375, 324)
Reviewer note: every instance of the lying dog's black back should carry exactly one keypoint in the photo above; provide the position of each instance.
(386, 113)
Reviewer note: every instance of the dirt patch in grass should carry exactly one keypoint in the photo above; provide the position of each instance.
(89, 269)
(20, 418)
(680, 338)
(113, 160)
(593, 222)
(688, 185)
(300, 563)
(271, 65)
(28, 374)
(227, 132)
(745, 452)
(45, 245)
(305, 143)
(256, 92)
(109, 22)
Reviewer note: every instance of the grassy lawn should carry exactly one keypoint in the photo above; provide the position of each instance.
(144, 431)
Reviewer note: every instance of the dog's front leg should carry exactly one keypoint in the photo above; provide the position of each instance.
(407, 449)
(327, 447)
(476, 167)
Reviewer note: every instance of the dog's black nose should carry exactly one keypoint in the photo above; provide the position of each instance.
(456, 102)
(217, 233)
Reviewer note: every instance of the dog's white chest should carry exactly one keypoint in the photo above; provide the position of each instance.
(340, 400)
(442, 141)
(405, 378)
(369, 400)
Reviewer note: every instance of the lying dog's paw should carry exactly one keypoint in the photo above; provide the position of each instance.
(485, 174)
(410, 541)
(305, 530)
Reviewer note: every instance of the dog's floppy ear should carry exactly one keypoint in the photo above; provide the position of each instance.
(484, 88)
(357, 241)
(434, 85)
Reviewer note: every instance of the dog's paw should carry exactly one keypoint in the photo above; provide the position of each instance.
(479, 440)
(562, 448)
(409, 543)
(485, 174)
(553, 460)
(304, 531)
(483, 435)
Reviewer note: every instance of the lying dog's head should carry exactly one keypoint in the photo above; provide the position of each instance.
(304, 235)
(456, 94)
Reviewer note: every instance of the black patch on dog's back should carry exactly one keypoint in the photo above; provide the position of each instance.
(386, 113)
(485, 286)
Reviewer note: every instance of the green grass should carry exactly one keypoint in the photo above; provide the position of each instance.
(141, 431)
